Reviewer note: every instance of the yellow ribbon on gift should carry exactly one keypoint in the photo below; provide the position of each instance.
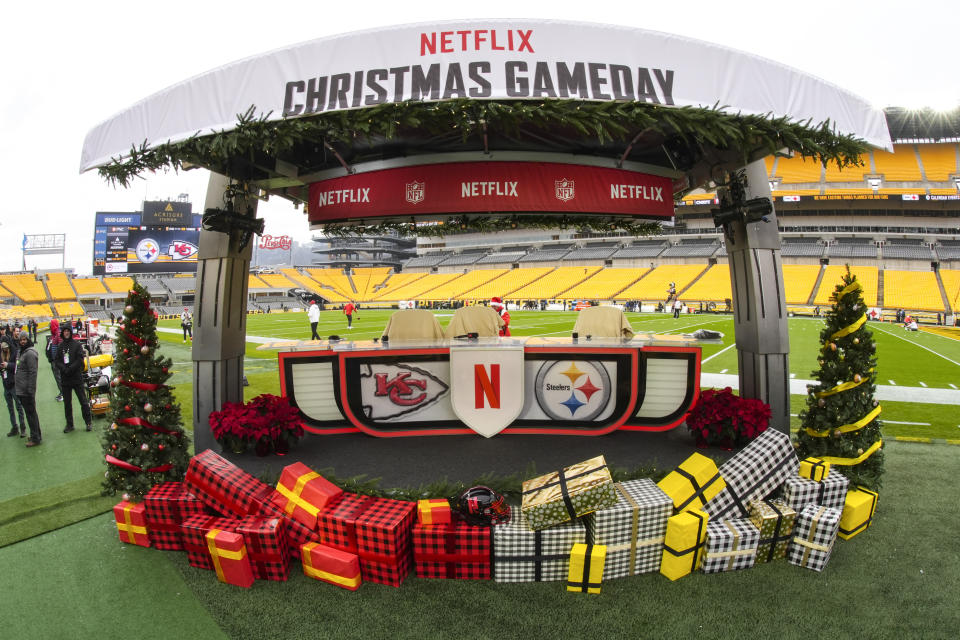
(311, 571)
(848, 462)
(580, 476)
(847, 428)
(634, 526)
(850, 328)
(425, 508)
(850, 288)
(127, 527)
(812, 545)
(294, 498)
(844, 386)
(216, 553)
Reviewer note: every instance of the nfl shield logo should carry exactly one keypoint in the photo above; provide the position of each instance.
(563, 189)
(415, 192)
(486, 386)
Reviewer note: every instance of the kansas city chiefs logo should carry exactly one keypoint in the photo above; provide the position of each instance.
(181, 250)
(393, 390)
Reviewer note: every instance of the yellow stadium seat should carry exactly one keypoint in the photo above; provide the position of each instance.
(866, 276)
(914, 290)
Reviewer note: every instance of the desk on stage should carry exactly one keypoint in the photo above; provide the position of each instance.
(522, 385)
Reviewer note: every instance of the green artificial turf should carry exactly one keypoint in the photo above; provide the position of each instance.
(899, 579)
(81, 582)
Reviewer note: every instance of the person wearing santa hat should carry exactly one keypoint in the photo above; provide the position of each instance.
(496, 303)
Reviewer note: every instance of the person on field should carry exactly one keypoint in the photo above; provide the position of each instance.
(26, 387)
(671, 292)
(496, 303)
(186, 323)
(53, 346)
(677, 308)
(348, 310)
(313, 314)
(9, 350)
(70, 363)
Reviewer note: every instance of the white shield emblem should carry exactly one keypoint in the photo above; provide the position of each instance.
(563, 189)
(486, 386)
(415, 191)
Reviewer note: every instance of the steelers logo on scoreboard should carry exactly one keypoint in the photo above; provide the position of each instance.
(572, 389)
(148, 250)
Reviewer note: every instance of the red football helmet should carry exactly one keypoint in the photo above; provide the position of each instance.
(483, 505)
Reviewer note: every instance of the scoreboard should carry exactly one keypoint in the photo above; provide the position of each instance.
(163, 238)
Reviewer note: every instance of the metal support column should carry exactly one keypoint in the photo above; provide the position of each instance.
(759, 306)
(220, 317)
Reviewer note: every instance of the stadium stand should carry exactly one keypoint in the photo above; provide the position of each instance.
(899, 166)
(640, 250)
(798, 170)
(325, 288)
(951, 285)
(606, 284)
(25, 286)
(427, 260)
(833, 174)
(154, 287)
(546, 254)
(58, 284)
(908, 249)
(653, 286)
(852, 248)
(509, 282)
(866, 275)
(72, 308)
(692, 249)
(798, 282)
(555, 283)
(387, 293)
(420, 288)
(367, 279)
(595, 252)
(88, 287)
(21, 313)
(713, 286)
(939, 161)
(277, 281)
(253, 282)
(461, 259)
(118, 284)
(800, 247)
(461, 288)
(4, 293)
(948, 250)
(180, 284)
(330, 279)
(914, 290)
(501, 257)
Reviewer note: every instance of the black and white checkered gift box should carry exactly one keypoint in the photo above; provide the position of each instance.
(798, 492)
(633, 529)
(758, 469)
(522, 555)
(731, 545)
(813, 537)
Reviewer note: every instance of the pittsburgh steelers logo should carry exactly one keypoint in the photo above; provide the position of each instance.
(148, 250)
(572, 389)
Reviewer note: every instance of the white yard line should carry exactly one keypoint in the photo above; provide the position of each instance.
(952, 386)
(918, 424)
(709, 358)
(923, 384)
(892, 382)
(724, 370)
(916, 344)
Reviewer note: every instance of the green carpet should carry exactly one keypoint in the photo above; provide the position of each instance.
(82, 582)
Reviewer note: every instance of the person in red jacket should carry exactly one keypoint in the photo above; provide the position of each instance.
(497, 305)
(348, 310)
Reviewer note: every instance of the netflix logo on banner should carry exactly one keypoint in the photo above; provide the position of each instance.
(486, 387)
(469, 187)
(275, 242)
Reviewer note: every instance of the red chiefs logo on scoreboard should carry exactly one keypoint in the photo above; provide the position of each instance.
(486, 386)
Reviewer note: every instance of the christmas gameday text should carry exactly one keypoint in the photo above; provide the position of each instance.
(518, 78)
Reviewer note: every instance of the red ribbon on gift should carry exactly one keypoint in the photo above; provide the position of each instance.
(117, 462)
(139, 341)
(140, 422)
(142, 386)
(380, 558)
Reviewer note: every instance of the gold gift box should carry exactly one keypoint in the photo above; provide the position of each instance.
(586, 568)
(693, 483)
(684, 542)
(775, 521)
(858, 512)
(814, 469)
(563, 495)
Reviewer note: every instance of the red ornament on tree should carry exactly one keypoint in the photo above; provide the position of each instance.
(133, 322)
(126, 407)
(125, 351)
(159, 447)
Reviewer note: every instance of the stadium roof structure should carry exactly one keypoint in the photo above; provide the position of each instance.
(483, 90)
(924, 125)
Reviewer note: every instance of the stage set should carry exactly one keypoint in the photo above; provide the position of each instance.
(479, 126)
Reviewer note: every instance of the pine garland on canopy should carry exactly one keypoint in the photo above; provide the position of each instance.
(840, 423)
(145, 443)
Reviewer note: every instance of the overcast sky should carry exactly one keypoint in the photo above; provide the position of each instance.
(67, 66)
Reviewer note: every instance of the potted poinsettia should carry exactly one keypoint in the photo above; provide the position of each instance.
(725, 420)
(265, 424)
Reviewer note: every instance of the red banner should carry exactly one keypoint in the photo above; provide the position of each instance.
(499, 187)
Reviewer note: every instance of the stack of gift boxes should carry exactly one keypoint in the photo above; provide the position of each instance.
(574, 525)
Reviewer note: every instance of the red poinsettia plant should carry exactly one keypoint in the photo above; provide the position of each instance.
(726, 420)
(266, 423)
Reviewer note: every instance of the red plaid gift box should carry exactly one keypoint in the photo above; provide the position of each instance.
(433, 511)
(298, 534)
(229, 556)
(132, 523)
(167, 505)
(455, 550)
(376, 529)
(225, 487)
(331, 565)
(195, 530)
(303, 493)
(266, 540)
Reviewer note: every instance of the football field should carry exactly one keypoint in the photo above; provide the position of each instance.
(918, 373)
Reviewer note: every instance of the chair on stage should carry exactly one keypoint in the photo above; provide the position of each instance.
(412, 324)
(603, 322)
(478, 319)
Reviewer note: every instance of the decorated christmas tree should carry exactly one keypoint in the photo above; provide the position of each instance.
(145, 443)
(840, 423)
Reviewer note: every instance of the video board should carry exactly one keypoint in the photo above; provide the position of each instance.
(125, 243)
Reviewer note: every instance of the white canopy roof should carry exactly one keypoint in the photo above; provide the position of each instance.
(500, 59)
